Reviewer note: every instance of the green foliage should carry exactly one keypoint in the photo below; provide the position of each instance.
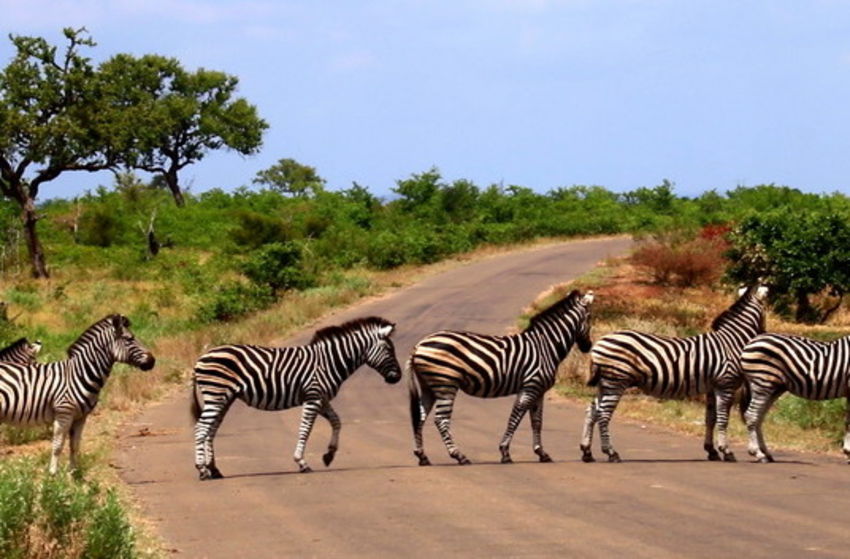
(56, 516)
(826, 415)
(277, 266)
(254, 229)
(290, 177)
(234, 299)
(798, 252)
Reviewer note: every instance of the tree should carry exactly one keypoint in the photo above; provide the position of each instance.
(49, 110)
(798, 253)
(291, 177)
(172, 117)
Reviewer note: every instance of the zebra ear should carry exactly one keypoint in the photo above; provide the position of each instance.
(587, 299)
(36, 346)
(385, 331)
(742, 290)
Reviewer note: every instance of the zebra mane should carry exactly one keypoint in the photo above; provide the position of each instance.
(570, 300)
(729, 314)
(14, 345)
(350, 326)
(107, 322)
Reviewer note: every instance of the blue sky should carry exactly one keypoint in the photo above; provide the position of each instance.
(708, 94)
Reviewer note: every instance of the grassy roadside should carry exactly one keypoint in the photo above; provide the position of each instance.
(627, 300)
(129, 390)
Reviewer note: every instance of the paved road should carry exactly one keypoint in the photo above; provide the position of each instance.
(664, 501)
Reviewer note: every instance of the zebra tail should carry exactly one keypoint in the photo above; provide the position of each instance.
(415, 398)
(744, 400)
(195, 403)
(595, 375)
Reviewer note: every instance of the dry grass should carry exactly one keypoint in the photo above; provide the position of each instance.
(627, 298)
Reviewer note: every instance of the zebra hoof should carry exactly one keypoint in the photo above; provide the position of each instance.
(507, 460)
(729, 457)
(614, 457)
(545, 457)
(423, 461)
(215, 473)
(713, 456)
(463, 461)
(587, 457)
(305, 469)
(328, 457)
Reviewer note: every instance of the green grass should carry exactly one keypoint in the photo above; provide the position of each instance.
(57, 517)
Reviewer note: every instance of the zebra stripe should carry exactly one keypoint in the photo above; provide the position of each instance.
(20, 351)
(485, 366)
(277, 378)
(65, 392)
(669, 367)
(772, 364)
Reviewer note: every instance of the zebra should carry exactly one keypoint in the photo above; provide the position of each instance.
(670, 367)
(485, 366)
(772, 364)
(278, 378)
(20, 351)
(65, 392)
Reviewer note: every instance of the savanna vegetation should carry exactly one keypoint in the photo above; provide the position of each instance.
(252, 263)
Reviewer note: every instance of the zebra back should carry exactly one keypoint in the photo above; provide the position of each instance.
(671, 366)
(807, 368)
(20, 351)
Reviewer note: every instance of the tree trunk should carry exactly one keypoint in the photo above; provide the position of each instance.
(805, 311)
(39, 267)
(174, 187)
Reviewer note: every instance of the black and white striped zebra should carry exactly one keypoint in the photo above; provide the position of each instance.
(65, 392)
(524, 364)
(670, 367)
(772, 364)
(278, 378)
(20, 351)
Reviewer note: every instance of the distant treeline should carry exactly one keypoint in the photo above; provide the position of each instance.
(278, 238)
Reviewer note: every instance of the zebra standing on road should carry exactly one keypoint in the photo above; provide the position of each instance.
(524, 364)
(65, 392)
(20, 351)
(772, 364)
(278, 378)
(669, 367)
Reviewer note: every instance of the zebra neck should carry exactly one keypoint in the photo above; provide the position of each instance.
(554, 337)
(92, 369)
(344, 355)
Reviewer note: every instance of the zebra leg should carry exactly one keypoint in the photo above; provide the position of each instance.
(76, 437)
(760, 402)
(725, 399)
(591, 416)
(426, 402)
(847, 432)
(212, 414)
(521, 405)
(710, 421)
(443, 420)
(330, 414)
(61, 426)
(536, 428)
(607, 404)
(308, 418)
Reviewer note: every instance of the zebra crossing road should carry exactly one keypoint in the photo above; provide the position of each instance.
(666, 500)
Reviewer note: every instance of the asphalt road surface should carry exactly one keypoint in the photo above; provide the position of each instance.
(664, 500)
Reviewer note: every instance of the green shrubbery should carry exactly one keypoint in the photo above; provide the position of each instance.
(55, 516)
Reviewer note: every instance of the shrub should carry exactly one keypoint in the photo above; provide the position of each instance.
(255, 229)
(277, 266)
(684, 264)
(233, 300)
(99, 227)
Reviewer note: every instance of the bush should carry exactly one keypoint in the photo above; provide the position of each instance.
(278, 267)
(233, 300)
(255, 229)
(99, 227)
(55, 516)
(684, 264)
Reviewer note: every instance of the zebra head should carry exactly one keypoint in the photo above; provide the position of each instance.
(381, 354)
(747, 314)
(126, 347)
(21, 351)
